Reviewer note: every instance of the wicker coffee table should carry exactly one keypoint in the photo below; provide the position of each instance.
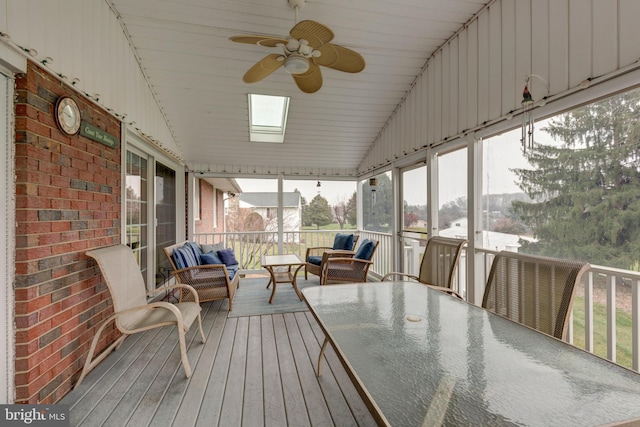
(271, 262)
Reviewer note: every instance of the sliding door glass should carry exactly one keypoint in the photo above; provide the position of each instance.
(137, 201)
(165, 207)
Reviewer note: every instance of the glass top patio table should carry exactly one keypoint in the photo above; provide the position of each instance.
(421, 357)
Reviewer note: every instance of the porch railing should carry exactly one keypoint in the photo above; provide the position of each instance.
(606, 311)
(250, 246)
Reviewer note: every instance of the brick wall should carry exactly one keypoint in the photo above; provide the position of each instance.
(67, 201)
(206, 223)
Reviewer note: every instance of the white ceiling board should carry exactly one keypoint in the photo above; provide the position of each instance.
(196, 73)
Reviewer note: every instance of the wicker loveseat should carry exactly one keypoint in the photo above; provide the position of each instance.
(212, 281)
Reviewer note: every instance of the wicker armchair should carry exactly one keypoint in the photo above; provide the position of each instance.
(322, 253)
(211, 282)
(350, 269)
(439, 262)
(532, 290)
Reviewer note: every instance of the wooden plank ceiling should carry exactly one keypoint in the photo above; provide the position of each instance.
(196, 73)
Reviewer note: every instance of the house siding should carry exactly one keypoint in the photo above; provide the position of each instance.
(67, 201)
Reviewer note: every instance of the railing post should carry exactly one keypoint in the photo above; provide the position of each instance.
(611, 317)
(635, 324)
(588, 314)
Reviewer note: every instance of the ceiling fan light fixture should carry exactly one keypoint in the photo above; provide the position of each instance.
(296, 64)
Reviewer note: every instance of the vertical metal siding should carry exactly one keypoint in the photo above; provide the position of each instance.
(580, 41)
(479, 74)
(472, 76)
(463, 83)
(446, 90)
(629, 31)
(107, 65)
(540, 44)
(484, 52)
(605, 37)
(495, 62)
(454, 88)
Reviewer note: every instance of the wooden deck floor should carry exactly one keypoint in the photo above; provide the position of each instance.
(252, 371)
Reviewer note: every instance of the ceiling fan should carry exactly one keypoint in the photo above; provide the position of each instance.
(306, 49)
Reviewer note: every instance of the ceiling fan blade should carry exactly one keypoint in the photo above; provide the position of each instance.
(311, 81)
(259, 40)
(263, 68)
(314, 32)
(340, 58)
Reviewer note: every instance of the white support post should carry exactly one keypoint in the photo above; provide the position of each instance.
(475, 276)
(280, 215)
(432, 193)
(396, 219)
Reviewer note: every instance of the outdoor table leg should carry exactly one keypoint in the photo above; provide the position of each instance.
(272, 280)
(294, 281)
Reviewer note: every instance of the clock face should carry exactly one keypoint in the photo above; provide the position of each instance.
(68, 115)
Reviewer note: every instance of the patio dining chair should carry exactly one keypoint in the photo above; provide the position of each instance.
(532, 290)
(438, 266)
(316, 257)
(132, 312)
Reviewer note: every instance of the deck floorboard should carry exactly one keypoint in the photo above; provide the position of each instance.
(252, 371)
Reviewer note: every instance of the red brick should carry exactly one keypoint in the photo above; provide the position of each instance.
(60, 204)
(32, 305)
(60, 226)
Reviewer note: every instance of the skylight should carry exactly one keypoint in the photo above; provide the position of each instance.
(267, 117)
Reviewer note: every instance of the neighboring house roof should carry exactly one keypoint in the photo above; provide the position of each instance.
(270, 200)
(493, 240)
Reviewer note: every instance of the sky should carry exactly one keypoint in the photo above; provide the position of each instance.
(333, 191)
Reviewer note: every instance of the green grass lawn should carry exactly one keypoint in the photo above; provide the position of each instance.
(332, 226)
(623, 331)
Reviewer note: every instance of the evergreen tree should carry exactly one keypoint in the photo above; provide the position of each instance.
(586, 188)
(320, 211)
(352, 206)
(306, 220)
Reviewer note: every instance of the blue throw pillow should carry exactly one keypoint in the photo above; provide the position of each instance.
(365, 250)
(210, 258)
(343, 242)
(183, 258)
(227, 257)
(195, 250)
(314, 259)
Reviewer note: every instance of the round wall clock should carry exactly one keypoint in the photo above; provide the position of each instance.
(67, 115)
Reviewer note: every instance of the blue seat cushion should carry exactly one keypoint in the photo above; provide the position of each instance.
(227, 257)
(314, 259)
(183, 258)
(210, 258)
(365, 251)
(343, 242)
